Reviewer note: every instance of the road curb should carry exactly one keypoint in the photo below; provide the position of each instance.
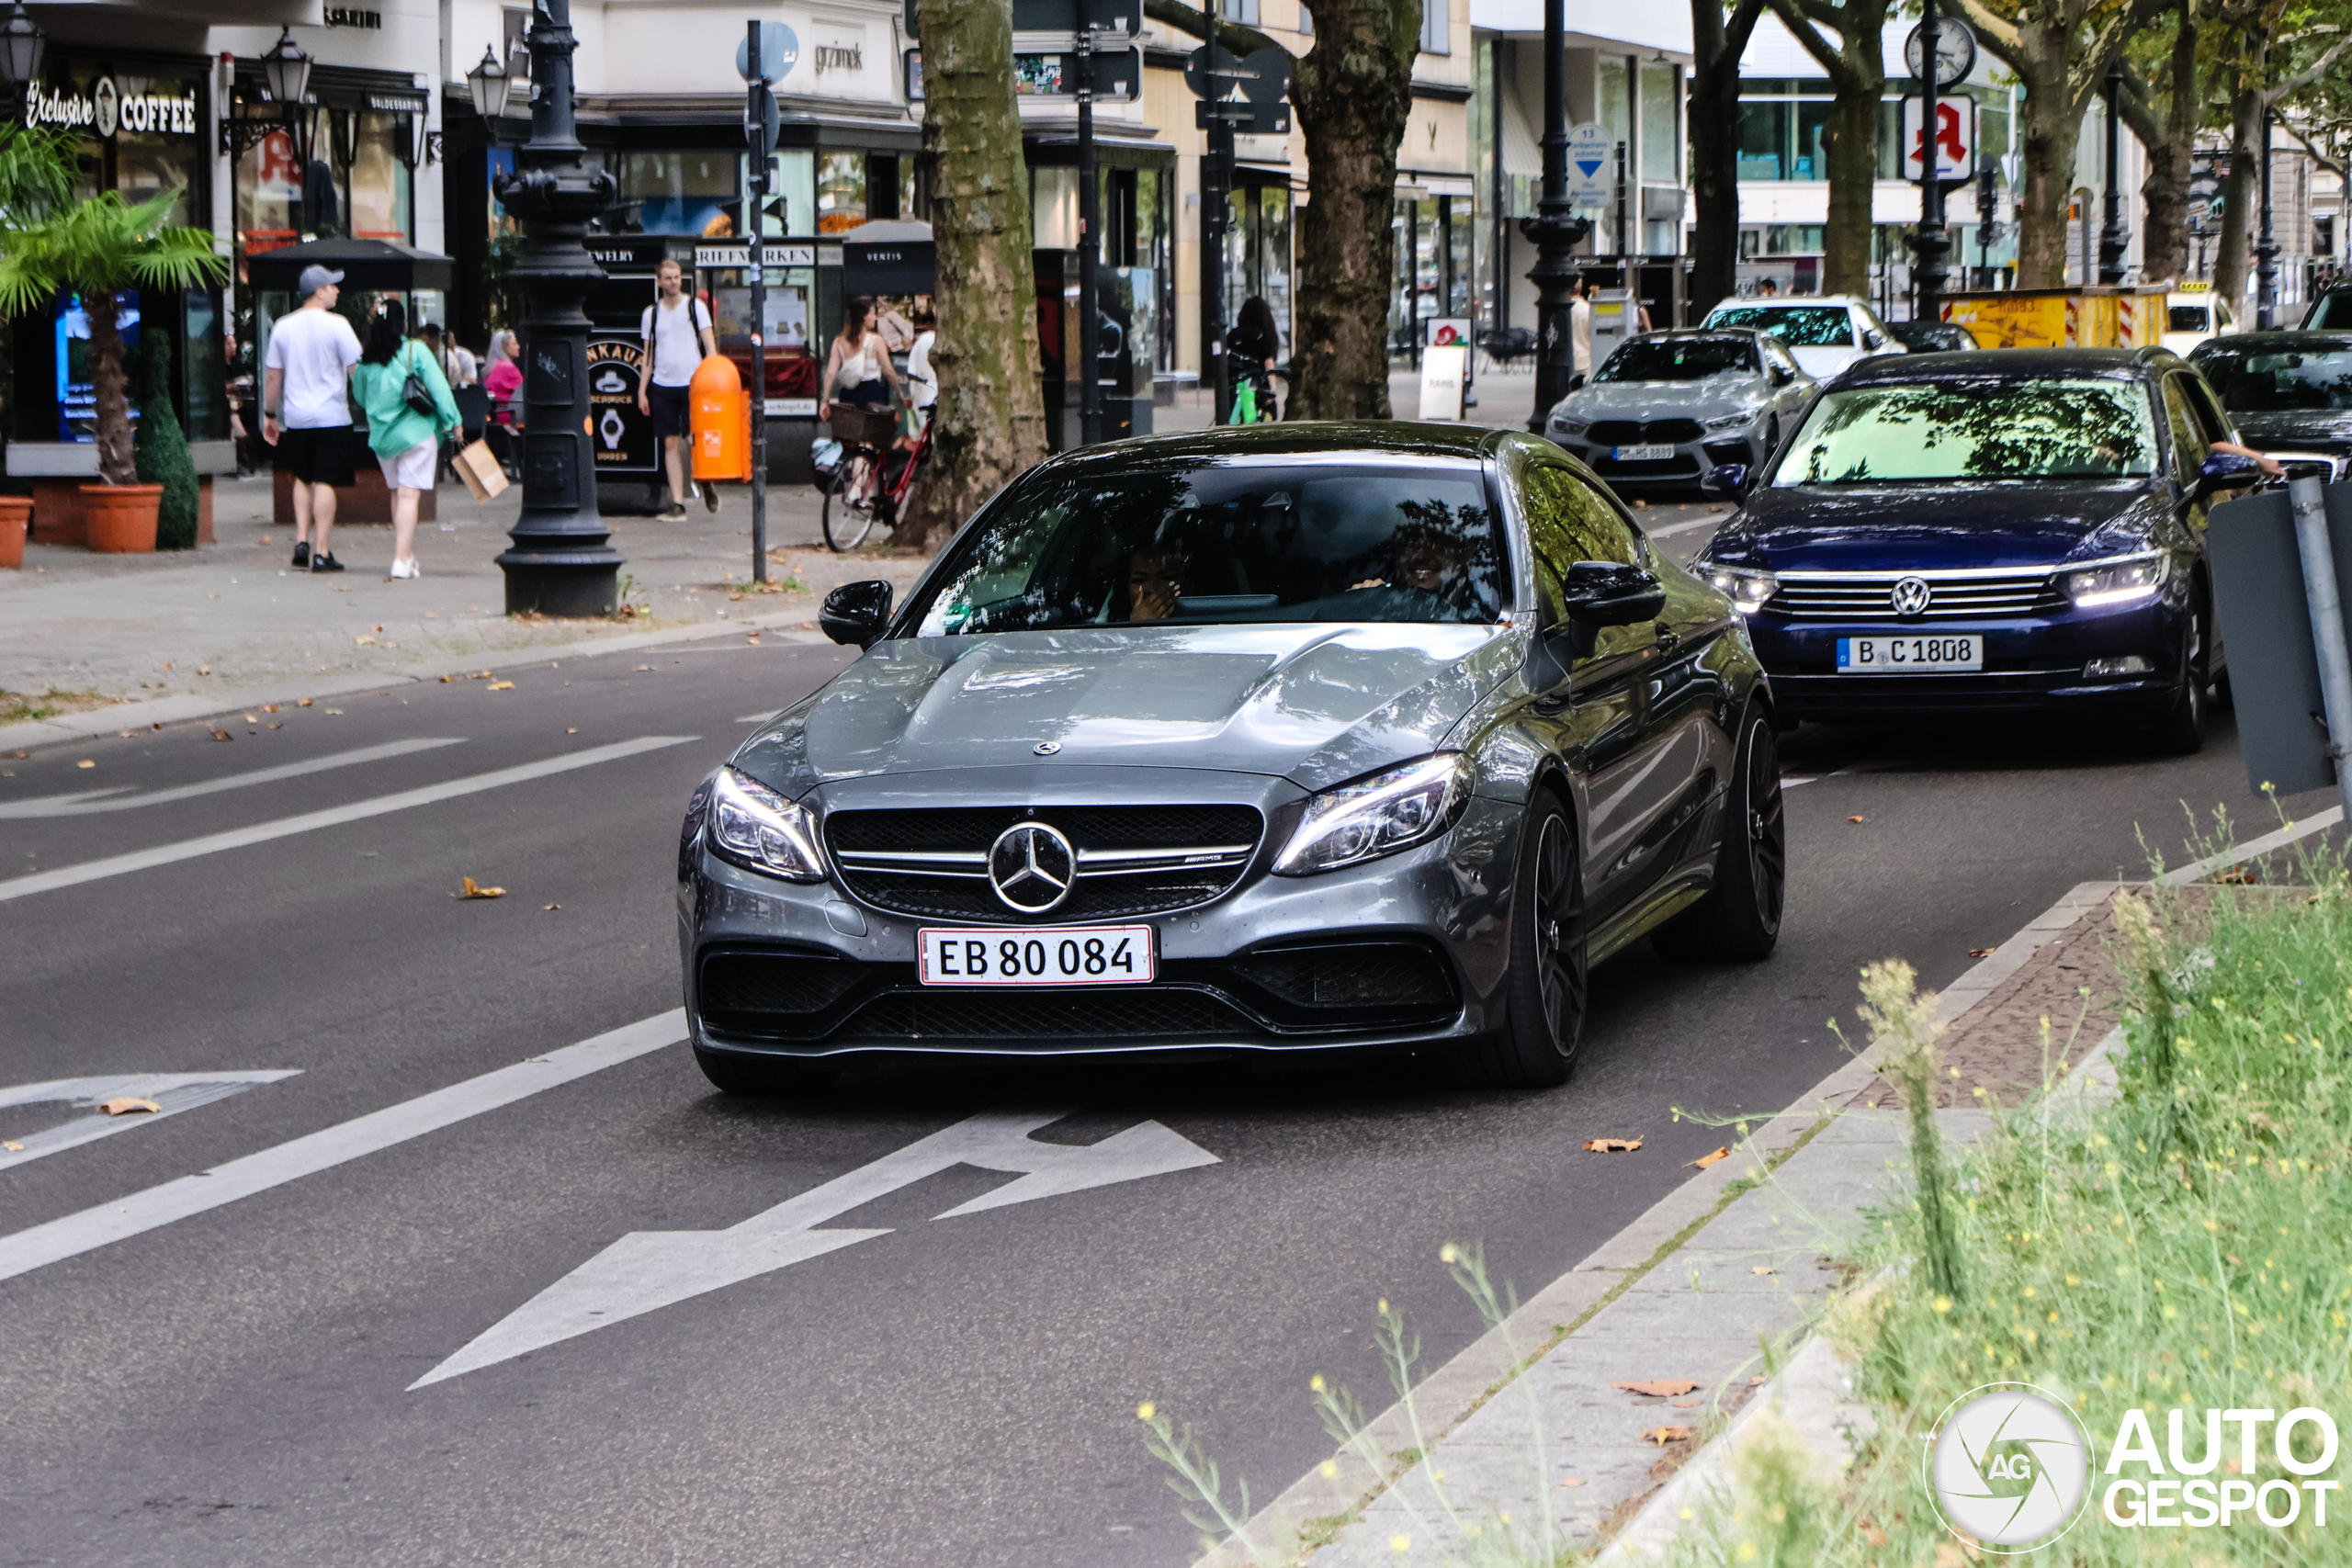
(187, 707)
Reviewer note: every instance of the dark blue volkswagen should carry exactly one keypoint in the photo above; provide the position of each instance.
(2006, 532)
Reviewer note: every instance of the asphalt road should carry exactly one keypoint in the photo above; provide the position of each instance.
(235, 1386)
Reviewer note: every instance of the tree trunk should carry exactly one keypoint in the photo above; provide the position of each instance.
(2051, 134)
(1718, 41)
(990, 421)
(1853, 174)
(1353, 93)
(116, 465)
(2242, 204)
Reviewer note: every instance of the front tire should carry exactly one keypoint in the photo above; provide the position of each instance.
(1739, 920)
(761, 1077)
(849, 509)
(2181, 732)
(1543, 991)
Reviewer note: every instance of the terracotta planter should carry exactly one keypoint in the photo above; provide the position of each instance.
(15, 517)
(120, 519)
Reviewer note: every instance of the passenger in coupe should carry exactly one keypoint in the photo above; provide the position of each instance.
(1155, 580)
(1427, 566)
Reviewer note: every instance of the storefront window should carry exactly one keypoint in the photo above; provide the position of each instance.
(1052, 209)
(1661, 123)
(1763, 139)
(675, 193)
(797, 179)
(378, 182)
(841, 191)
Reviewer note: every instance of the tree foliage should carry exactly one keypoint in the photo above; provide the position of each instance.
(1845, 37)
(162, 446)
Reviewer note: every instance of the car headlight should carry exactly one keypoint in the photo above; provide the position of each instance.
(756, 826)
(1744, 586)
(1734, 421)
(1377, 815)
(1570, 427)
(2118, 582)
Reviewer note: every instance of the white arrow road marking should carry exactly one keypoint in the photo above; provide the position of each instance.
(224, 1184)
(357, 810)
(175, 1092)
(648, 1269)
(121, 799)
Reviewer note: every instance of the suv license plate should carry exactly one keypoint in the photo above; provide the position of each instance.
(1908, 655)
(1642, 454)
(1049, 955)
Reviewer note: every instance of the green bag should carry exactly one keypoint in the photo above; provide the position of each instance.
(1244, 402)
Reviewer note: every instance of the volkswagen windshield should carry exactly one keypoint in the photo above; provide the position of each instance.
(1986, 430)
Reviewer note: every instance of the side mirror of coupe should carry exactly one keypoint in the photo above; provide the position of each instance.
(1872, 339)
(856, 612)
(1729, 480)
(2227, 470)
(1609, 593)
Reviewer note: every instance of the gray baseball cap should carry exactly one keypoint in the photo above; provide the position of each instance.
(315, 278)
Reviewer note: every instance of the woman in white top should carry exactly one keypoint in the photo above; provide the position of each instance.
(859, 370)
(923, 384)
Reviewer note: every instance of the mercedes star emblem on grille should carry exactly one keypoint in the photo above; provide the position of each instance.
(1032, 867)
(1046, 748)
(1910, 595)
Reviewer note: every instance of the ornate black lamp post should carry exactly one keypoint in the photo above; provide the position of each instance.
(21, 44)
(1555, 233)
(562, 562)
(2266, 253)
(2112, 240)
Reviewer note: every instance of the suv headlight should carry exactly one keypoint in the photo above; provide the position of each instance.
(1734, 421)
(2118, 582)
(1570, 427)
(1744, 586)
(756, 826)
(1377, 815)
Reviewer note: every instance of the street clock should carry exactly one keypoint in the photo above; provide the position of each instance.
(1955, 51)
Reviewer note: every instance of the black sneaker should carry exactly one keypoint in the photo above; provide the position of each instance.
(303, 553)
(674, 513)
(325, 563)
(709, 496)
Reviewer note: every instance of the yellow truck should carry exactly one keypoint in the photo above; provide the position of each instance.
(2100, 316)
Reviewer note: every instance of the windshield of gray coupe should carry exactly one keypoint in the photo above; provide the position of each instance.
(1799, 326)
(1680, 359)
(1196, 544)
(1973, 430)
(2273, 382)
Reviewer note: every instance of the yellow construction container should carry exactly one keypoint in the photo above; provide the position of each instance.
(2095, 317)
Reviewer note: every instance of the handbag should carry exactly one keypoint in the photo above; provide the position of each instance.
(416, 394)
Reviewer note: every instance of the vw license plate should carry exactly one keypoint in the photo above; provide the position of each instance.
(1907, 655)
(1657, 454)
(1051, 955)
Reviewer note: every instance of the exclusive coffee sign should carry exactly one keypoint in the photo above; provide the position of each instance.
(106, 108)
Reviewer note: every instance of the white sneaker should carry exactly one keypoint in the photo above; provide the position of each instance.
(406, 568)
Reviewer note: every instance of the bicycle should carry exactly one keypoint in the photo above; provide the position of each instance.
(864, 491)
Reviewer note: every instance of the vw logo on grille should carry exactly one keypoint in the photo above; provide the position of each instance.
(1032, 867)
(1910, 595)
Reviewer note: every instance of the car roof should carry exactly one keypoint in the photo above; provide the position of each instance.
(1376, 440)
(1791, 301)
(2240, 343)
(2011, 364)
(1747, 334)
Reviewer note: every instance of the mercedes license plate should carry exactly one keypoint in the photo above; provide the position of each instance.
(1051, 955)
(1907, 655)
(1657, 453)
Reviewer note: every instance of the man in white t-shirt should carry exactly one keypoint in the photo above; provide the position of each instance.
(1579, 335)
(306, 410)
(677, 340)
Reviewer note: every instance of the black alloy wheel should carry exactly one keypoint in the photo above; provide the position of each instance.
(2181, 732)
(849, 506)
(760, 1077)
(1739, 920)
(1543, 1005)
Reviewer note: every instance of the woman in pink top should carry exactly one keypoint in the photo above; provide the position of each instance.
(504, 378)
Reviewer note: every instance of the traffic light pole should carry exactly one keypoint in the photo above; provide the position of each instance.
(755, 121)
(1090, 247)
(1216, 180)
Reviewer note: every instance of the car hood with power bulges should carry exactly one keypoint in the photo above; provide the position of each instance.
(1646, 400)
(1926, 527)
(1316, 703)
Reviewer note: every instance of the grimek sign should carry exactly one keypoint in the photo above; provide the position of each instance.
(106, 108)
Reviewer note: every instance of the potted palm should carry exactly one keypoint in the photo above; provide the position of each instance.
(96, 248)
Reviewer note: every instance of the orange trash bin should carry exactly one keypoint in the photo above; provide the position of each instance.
(720, 421)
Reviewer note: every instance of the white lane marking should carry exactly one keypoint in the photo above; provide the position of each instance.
(262, 832)
(174, 1092)
(223, 1184)
(2318, 821)
(1787, 783)
(646, 1270)
(78, 805)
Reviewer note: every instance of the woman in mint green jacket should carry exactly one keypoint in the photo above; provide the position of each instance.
(407, 444)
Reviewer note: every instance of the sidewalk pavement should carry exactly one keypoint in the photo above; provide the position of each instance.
(1716, 1285)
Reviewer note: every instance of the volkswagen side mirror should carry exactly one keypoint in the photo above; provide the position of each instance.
(1729, 480)
(856, 612)
(2227, 470)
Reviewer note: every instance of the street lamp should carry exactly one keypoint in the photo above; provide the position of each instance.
(21, 44)
(490, 84)
(2112, 241)
(562, 561)
(1554, 231)
(285, 68)
(2265, 272)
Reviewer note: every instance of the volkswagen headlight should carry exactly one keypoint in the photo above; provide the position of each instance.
(1734, 421)
(754, 826)
(1377, 815)
(2118, 582)
(1745, 587)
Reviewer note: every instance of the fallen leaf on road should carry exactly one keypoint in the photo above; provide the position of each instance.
(129, 1106)
(732, 597)
(363, 642)
(500, 686)
(2237, 876)
(1612, 1145)
(644, 667)
(252, 718)
(1683, 1404)
(1704, 1160)
(337, 711)
(279, 725)
(86, 762)
(1662, 1436)
(571, 731)
(222, 735)
(204, 668)
(1857, 819)
(551, 905)
(1981, 951)
(1660, 1388)
(1759, 1268)
(13, 1148)
(304, 703)
(431, 616)
(1572, 1481)
(379, 628)
(1755, 1381)
(269, 708)
(476, 890)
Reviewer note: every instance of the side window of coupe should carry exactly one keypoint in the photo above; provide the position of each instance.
(1566, 523)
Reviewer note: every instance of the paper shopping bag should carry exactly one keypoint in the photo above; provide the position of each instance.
(478, 467)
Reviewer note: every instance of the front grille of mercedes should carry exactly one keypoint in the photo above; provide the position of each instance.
(1132, 860)
(1870, 596)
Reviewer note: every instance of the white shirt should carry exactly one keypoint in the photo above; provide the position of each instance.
(925, 384)
(677, 345)
(463, 370)
(314, 348)
(1580, 336)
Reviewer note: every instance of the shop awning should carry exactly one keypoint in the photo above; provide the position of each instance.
(376, 264)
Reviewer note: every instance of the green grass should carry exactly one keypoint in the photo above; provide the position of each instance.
(18, 707)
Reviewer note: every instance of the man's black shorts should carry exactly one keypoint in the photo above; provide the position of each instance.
(670, 408)
(320, 456)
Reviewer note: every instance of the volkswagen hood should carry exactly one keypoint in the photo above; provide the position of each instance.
(1929, 526)
(1315, 703)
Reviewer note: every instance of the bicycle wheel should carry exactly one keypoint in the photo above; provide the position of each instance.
(849, 504)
